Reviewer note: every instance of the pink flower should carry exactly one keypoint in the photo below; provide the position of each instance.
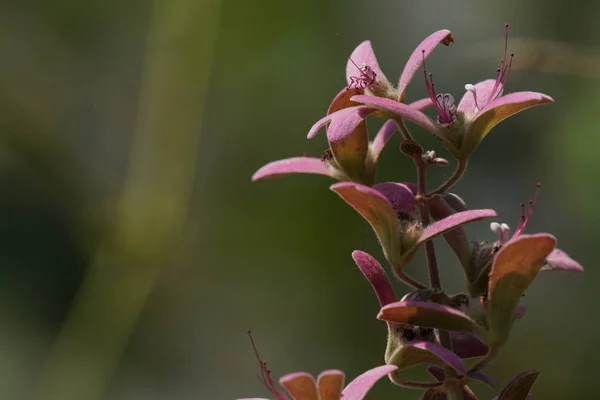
(462, 127)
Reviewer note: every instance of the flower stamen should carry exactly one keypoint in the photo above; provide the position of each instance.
(502, 75)
(265, 374)
(443, 102)
(526, 214)
(367, 75)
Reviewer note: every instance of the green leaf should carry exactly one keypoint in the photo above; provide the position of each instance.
(513, 270)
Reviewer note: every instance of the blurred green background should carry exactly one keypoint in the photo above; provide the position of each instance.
(135, 252)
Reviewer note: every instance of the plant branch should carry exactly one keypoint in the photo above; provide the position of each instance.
(407, 279)
(403, 129)
(461, 167)
(423, 204)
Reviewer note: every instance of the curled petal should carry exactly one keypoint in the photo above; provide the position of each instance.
(383, 136)
(303, 165)
(363, 54)
(400, 109)
(558, 260)
(376, 276)
(330, 384)
(301, 385)
(415, 61)
(360, 386)
(494, 113)
(514, 268)
(399, 195)
(342, 123)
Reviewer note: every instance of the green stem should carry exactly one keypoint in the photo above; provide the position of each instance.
(403, 129)
(434, 275)
(461, 167)
(153, 207)
(408, 279)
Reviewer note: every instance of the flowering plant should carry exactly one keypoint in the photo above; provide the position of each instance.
(454, 335)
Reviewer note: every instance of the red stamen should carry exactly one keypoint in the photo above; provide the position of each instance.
(367, 75)
(526, 217)
(503, 71)
(443, 103)
(265, 374)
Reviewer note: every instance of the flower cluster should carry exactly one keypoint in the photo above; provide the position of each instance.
(454, 335)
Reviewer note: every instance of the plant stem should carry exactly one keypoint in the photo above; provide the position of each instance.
(434, 275)
(408, 280)
(461, 167)
(432, 265)
(403, 129)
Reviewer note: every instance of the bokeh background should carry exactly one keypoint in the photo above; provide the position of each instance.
(135, 252)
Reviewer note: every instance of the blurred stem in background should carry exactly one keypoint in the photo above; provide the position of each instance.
(153, 208)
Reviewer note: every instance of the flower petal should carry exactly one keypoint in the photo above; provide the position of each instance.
(342, 123)
(514, 268)
(303, 165)
(383, 136)
(429, 315)
(377, 210)
(519, 387)
(422, 104)
(467, 345)
(351, 151)
(456, 238)
(376, 276)
(301, 385)
(483, 90)
(330, 384)
(453, 221)
(558, 260)
(399, 195)
(421, 352)
(494, 113)
(415, 61)
(360, 386)
(363, 54)
(400, 109)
